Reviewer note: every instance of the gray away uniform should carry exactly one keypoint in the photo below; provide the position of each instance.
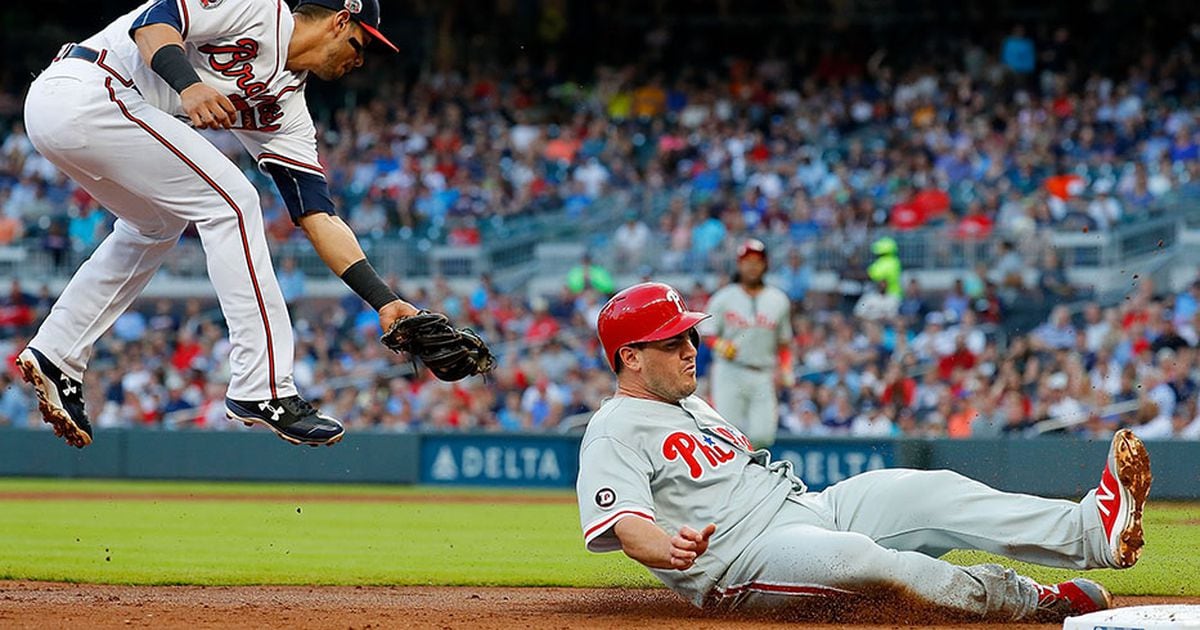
(743, 389)
(682, 464)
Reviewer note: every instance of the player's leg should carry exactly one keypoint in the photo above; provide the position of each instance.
(61, 126)
(212, 193)
(796, 564)
(791, 564)
(936, 511)
(183, 176)
(729, 394)
(762, 402)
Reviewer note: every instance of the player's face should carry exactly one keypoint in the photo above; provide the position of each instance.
(669, 367)
(344, 52)
(752, 268)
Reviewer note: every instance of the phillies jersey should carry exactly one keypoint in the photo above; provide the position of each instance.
(238, 47)
(675, 465)
(756, 324)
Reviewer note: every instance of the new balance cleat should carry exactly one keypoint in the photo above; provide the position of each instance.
(291, 418)
(1121, 496)
(1079, 596)
(60, 397)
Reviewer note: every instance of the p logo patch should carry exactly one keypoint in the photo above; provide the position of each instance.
(605, 498)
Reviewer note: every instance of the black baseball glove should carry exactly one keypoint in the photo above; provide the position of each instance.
(452, 354)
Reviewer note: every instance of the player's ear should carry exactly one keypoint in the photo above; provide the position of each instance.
(630, 358)
(341, 19)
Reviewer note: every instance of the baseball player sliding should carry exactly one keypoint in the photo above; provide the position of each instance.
(751, 332)
(118, 113)
(667, 480)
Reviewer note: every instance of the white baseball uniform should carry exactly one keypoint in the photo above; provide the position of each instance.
(115, 127)
(682, 464)
(743, 388)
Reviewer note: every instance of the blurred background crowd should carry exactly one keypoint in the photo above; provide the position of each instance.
(822, 132)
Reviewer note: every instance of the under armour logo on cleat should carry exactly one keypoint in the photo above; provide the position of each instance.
(70, 388)
(275, 411)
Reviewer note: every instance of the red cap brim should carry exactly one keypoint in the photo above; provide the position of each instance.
(379, 36)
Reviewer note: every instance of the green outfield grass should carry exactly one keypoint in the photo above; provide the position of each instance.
(289, 538)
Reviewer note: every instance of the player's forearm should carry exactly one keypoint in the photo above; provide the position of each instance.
(154, 36)
(333, 241)
(337, 246)
(645, 542)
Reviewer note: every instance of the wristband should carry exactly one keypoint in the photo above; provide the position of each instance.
(362, 279)
(170, 63)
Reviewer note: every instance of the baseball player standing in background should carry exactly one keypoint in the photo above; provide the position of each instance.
(664, 478)
(751, 332)
(118, 113)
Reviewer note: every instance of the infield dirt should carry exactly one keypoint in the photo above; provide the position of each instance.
(55, 605)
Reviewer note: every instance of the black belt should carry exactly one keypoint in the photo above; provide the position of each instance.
(75, 51)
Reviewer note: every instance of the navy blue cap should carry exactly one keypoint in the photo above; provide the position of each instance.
(365, 12)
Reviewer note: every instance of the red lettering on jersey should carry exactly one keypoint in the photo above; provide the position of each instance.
(259, 110)
(680, 445)
(736, 320)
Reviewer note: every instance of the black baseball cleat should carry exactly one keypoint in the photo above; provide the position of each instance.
(60, 397)
(291, 418)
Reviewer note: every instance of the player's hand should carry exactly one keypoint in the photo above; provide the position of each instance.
(207, 108)
(725, 349)
(394, 310)
(688, 545)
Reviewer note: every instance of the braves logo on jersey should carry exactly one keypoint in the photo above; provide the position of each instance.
(692, 449)
(259, 110)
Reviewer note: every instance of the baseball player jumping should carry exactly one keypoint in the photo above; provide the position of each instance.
(675, 486)
(751, 332)
(118, 113)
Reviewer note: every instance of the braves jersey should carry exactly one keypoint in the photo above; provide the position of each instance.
(756, 324)
(238, 47)
(675, 465)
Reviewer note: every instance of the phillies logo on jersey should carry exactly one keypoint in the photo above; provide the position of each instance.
(737, 321)
(260, 110)
(692, 449)
(735, 437)
(209, 4)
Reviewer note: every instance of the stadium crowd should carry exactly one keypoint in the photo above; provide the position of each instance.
(984, 143)
(1007, 142)
(928, 368)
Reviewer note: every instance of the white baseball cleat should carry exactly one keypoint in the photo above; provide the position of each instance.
(1121, 496)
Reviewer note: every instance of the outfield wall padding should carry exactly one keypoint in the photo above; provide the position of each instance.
(1048, 466)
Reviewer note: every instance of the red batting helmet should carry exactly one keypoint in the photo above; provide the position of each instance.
(752, 246)
(650, 311)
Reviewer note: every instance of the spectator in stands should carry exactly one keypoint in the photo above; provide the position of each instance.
(632, 243)
(873, 421)
(886, 267)
(1057, 333)
(876, 304)
(1157, 421)
(291, 280)
(801, 418)
(1053, 284)
(1008, 267)
(15, 403)
(588, 275)
(795, 277)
